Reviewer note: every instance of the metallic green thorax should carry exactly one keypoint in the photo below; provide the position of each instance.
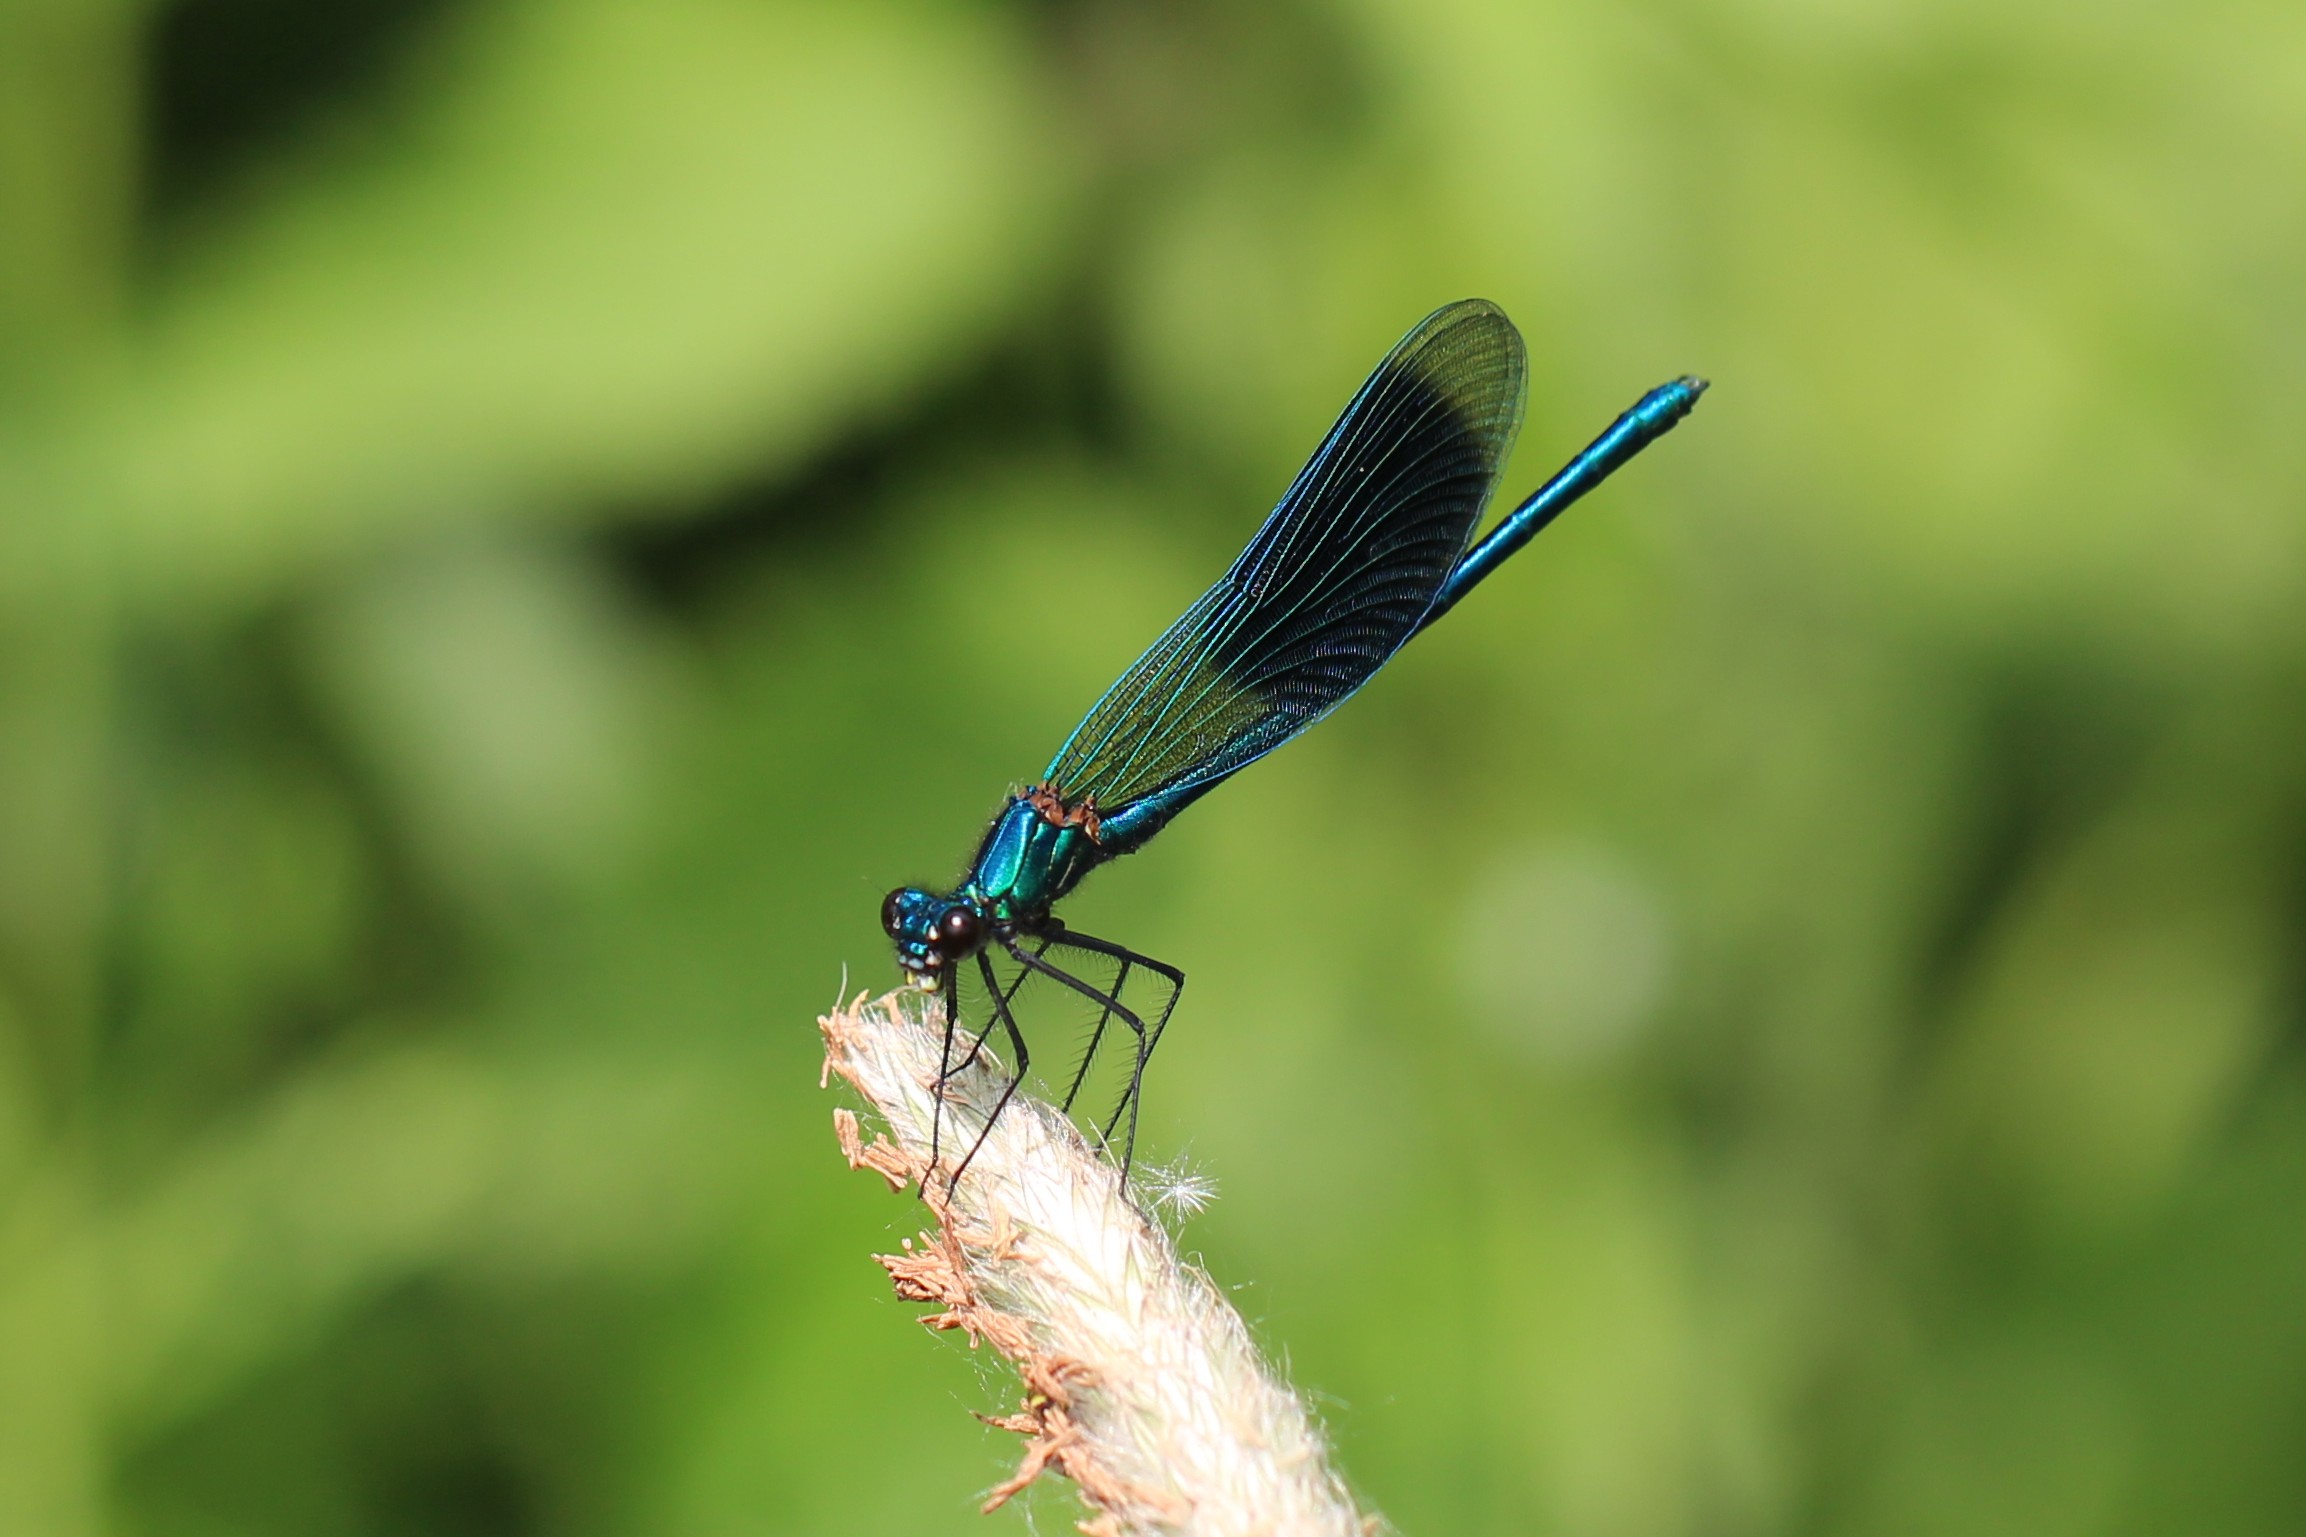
(1027, 863)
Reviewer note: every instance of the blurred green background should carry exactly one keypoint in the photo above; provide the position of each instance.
(520, 519)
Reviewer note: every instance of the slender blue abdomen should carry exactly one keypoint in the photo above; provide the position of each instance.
(1650, 418)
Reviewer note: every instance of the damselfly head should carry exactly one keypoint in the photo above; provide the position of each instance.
(930, 930)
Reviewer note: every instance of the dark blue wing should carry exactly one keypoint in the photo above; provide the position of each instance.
(1337, 579)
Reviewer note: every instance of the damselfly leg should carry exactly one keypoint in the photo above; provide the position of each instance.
(978, 1044)
(1112, 1008)
(1000, 999)
(949, 993)
(1008, 1022)
(947, 1068)
(1146, 1039)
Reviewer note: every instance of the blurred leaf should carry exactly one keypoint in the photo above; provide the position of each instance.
(617, 252)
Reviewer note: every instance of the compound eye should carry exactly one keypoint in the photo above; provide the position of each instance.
(893, 913)
(958, 930)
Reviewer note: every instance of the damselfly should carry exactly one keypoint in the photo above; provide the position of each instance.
(1371, 543)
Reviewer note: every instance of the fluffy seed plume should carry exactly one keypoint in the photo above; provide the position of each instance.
(1141, 1383)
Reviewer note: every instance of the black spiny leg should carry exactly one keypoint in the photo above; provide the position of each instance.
(1010, 996)
(1146, 1039)
(1103, 1000)
(950, 991)
(1008, 1022)
(1089, 1053)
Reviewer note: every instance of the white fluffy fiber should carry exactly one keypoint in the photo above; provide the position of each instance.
(1142, 1384)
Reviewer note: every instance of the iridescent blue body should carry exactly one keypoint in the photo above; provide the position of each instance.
(1025, 865)
(1644, 422)
(1371, 543)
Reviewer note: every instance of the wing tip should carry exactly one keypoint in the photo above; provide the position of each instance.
(1470, 354)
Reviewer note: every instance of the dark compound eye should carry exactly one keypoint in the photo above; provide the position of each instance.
(958, 930)
(893, 913)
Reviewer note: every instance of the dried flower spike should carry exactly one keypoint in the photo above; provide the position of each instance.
(1141, 1382)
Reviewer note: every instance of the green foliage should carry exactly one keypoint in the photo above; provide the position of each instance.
(1781, 1016)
